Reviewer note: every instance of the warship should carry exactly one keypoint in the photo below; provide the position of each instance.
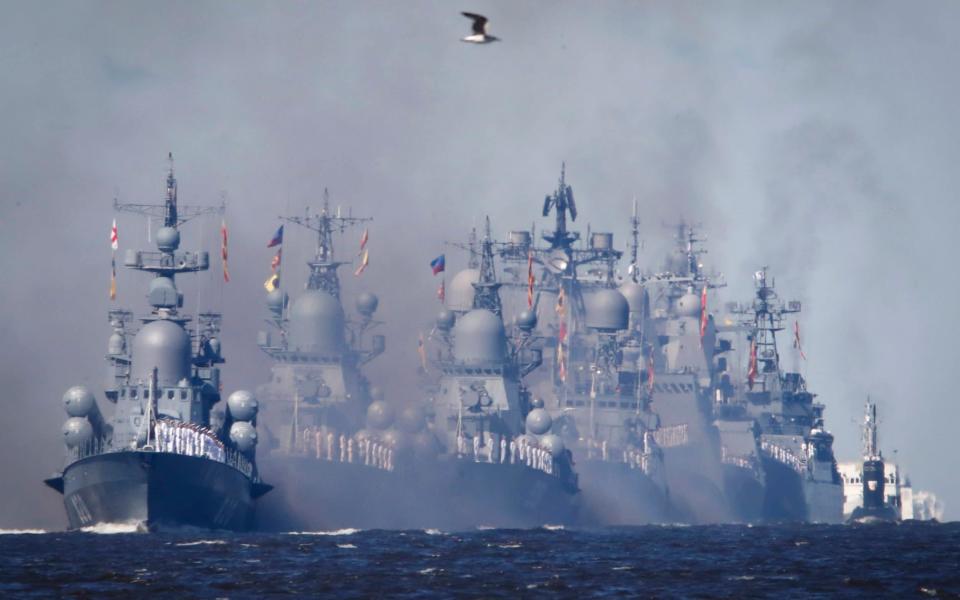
(802, 480)
(335, 471)
(873, 478)
(497, 460)
(691, 375)
(163, 459)
(597, 400)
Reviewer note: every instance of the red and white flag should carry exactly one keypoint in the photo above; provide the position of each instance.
(530, 280)
(752, 371)
(796, 339)
(114, 238)
(223, 250)
(276, 260)
(703, 312)
(442, 292)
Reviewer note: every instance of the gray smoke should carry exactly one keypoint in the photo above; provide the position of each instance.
(817, 139)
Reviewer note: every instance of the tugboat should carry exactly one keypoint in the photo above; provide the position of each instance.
(162, 459)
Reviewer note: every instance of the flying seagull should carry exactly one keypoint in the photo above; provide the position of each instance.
(479, 27)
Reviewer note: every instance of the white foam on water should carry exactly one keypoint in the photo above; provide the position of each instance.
(347, 546)
(22, 531)
(433, 532)
(427, 571)
(485, 527)
(334, 532)
(554, 527)
(510, 546)
(203, 543)
(113, 528)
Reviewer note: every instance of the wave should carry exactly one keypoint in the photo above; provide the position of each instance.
(348, 531)
(22, 531)
(202, 543)
(433, 532)
(554, 527)
(347, 546)
(113, 528)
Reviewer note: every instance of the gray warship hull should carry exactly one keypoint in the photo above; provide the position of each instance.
(615, 494)
(157, 490)
(792, 497)
(745, 493)
(449, 494)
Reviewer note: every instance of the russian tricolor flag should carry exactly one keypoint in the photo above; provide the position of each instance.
(277, 238)
(439, 264)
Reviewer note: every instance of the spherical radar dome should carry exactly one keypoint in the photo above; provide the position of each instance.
(479, 339)
(688, 305)
(165, 345)
(538, 421)
(635, 295)
(76, 431)
(460, 291)
(367, 304)
(78, 401)
(243, 405)
(379, 415)
(244, 436)
(316, 323)
(607, 310)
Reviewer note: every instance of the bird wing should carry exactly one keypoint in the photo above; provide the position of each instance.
(479, 22)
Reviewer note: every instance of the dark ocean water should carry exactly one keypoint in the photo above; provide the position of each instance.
(897, 561)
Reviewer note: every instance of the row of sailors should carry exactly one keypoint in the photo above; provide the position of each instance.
(669, 437)
(518, 451)
(189, 439)
(634, 458)
(784, 456)
(326, 445)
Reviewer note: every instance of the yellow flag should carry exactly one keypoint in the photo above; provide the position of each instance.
(363, 263)
(272, 282)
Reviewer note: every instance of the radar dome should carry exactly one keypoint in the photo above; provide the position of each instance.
(396, 439)
(445, 320)
(688, 305)
(78, 401)
(537, 402)
(635, 295)
(76, 431)
(376, 393)
(527, 320)
(367, 304)
(479, 339)
(244, 436)
(168, 239)
(552, 444)
(538, 421)
(243, 405)
(379, 415)
(606, 310)
(165, 345)
(460, 291)
(316, 323)
(276, 300)
(425, 444)
(412, 418)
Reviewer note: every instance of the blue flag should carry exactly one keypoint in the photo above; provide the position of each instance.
(438, 264)
(277, 238)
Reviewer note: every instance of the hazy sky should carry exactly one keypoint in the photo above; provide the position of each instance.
(820, 139)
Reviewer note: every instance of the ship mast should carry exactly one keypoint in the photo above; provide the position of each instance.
(487, 288)
(323, 267)
(871, 449)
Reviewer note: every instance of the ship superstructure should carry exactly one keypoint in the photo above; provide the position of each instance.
(803, 483)
(162, 458)
(595, 399)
